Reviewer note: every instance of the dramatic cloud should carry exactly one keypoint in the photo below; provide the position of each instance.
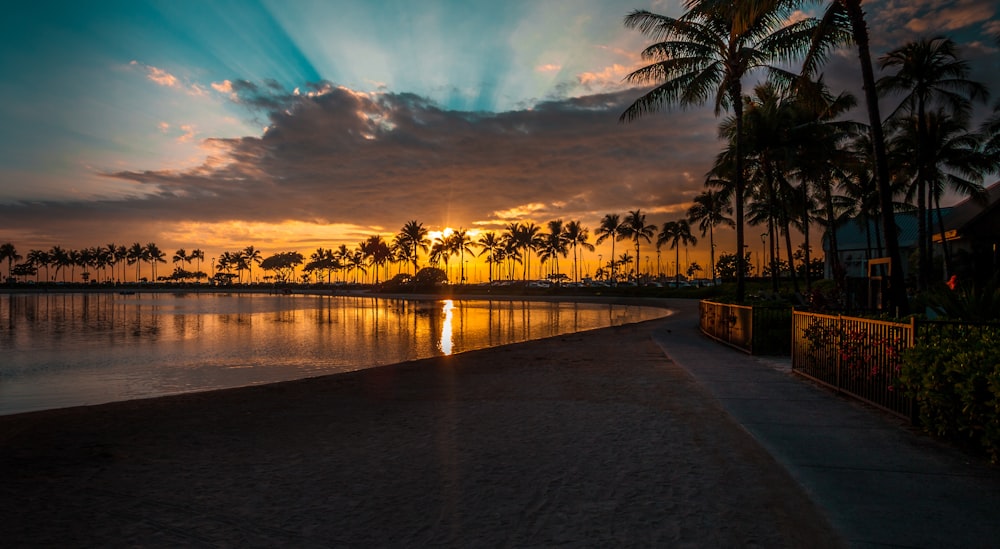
(332, 155)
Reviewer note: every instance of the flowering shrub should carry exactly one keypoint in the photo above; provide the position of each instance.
(863, 355)
(956, 383)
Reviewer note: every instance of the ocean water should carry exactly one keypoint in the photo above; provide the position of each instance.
(69, 349)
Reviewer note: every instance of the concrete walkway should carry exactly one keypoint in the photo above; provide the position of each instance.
(881, 483)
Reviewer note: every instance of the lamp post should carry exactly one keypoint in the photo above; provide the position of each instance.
(762, 253)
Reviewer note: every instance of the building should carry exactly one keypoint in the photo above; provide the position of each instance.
(972, 231)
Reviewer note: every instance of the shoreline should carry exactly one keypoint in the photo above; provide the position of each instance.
(591, 438)
(647, 303)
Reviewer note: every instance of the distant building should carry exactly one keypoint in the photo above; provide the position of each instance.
(858, 241)
(972, 230)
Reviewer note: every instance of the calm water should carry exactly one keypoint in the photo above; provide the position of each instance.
(59, 350)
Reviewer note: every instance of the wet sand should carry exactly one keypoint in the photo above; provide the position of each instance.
(592, 439)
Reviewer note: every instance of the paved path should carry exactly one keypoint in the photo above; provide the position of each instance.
(880, 483)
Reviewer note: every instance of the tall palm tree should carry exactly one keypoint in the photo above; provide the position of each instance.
(376, 251)
(40, 258)
(634, 228)
(677, 233)
(928, 73)
(526, 238)
(199, 256)
(554, 243)
(60, 259)
(441, 250)
(120, 254)
(414, 236)
(460, 243)
(843, 22)
(610, 228)
(953, 158)
(135, 255)
(705, 54)
(9, 252)
(577, 235)
(489, 244)
(154, 255)
(709, 211)
(180, 255)
(251, 255)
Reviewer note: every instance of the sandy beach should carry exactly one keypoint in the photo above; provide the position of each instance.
(593, 439)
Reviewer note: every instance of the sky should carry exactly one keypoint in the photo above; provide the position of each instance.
(298, 124)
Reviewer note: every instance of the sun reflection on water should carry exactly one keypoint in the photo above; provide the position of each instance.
(446, 338)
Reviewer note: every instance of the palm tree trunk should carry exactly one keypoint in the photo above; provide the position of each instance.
(711, 252)
(897, 287)
(944, 242)
(736, 98)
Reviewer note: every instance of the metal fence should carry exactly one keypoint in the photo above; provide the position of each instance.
(757, 330)
(857, 356)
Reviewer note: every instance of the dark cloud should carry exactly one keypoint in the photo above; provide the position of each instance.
(332, 155)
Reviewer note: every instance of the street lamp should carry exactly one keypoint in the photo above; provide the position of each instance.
(762, 253)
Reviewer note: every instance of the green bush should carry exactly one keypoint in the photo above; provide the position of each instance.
(955, 381)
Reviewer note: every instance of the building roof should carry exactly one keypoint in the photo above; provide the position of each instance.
(972, 211)
(852, 235)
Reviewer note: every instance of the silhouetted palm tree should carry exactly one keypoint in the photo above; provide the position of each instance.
(460, 242)
(489, 244)
(634, 228)
(710, 211)
(40, 258)
(928, 73)
(9, 252)
(199, 256)
(677, 233)
(952, 158)
(843, 22)
(704, 55)
(154, 255)
(251, 255)
(414, 236)
(577, 235)
(610, 228)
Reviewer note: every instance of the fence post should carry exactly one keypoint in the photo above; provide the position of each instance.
(912, 339)
(839, 324)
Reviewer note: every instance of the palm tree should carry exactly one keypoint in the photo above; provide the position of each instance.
(199, 256)
(414, 236)
(634, 228)
(554, 243)
(708, 211)
(525, 238)
(9, 252)
(953, 158)
(180, 255)
(251, 255)
(459, 242)
(489, 244)
(154, 255)
(376, 251)
(40, 258)
(441, 250)
(610, 228)
(60, 259)
(677, 233)
(705, 54)
(928, 72)
(577, 235)
(135, 255)
(843, 22)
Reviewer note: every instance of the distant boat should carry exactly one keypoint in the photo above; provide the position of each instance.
(127, 292)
